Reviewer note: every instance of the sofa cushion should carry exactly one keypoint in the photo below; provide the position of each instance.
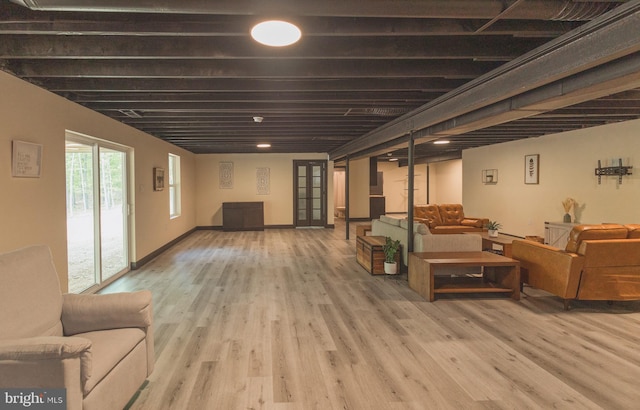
(107, 350)
(389, 220)
(451, 214)
(429, 213)
(581, 233)
(30, 297)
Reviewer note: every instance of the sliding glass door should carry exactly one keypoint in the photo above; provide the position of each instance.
(97, 212)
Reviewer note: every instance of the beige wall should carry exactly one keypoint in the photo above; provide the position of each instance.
(33, 211)
(567, 163)
(359, 188)
(446, 182)
(278, 205)
(396, 186)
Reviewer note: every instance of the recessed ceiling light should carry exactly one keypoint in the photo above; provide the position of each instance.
(439, 142)
(264, 145)
(276, 33)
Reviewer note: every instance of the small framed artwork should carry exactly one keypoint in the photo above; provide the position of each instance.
(489, 176)
(263, 182)
(226, 175)
(26, 160)
(158, 179)
(531, 169)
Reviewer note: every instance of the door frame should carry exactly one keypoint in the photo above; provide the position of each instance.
(324, 188)
(96, 144)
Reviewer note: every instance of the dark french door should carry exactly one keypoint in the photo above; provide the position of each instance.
(310, 193)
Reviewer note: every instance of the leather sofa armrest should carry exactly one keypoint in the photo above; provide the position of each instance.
(548, 268)
(86, 313)
(475, 222)
(21, 358)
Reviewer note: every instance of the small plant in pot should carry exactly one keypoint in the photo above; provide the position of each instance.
(390, 248)
(492, 228)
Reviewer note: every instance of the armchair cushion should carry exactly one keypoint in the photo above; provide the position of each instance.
(35, 309)
(108, 348)
(581, 233)
(86, 313)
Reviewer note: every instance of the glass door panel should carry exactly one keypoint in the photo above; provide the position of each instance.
(80, 217)
(113, 212)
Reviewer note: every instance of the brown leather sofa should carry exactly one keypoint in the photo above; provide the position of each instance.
(447, 218)
(600, 262)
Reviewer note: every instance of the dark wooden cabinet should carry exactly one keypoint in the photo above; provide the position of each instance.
(242, 216)
(376, 206)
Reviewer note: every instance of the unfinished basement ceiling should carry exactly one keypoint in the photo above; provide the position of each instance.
(189, 73)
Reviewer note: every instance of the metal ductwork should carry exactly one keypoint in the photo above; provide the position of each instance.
(573, 11)
(567, 10)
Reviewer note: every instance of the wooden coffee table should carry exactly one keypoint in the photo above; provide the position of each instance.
(500, 274)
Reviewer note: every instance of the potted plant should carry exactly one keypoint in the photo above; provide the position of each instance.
(492, 228)
(390, 248)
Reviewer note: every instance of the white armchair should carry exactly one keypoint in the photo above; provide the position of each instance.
(97, 347)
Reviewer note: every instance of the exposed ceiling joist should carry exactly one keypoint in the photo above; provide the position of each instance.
(187, 72)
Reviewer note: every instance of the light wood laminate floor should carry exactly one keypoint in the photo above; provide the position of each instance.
(286, 319)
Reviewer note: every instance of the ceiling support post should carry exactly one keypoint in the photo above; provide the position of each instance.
(410, 185)
(346, 198)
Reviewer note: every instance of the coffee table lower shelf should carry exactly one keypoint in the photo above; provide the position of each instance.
(447, 284)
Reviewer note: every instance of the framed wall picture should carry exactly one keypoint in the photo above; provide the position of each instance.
(489, 176)
(263, 181)
(158, 179)
(531, 169)
(26, 160)
(226, 175)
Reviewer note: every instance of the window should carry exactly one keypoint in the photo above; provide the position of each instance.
(174, 186)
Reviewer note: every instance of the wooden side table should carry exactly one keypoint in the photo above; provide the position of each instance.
(503, 241)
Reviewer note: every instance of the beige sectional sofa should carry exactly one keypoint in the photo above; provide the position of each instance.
(423, 239)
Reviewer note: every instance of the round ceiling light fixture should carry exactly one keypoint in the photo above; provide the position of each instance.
(264, 145)
(276, 33)
(441, 142)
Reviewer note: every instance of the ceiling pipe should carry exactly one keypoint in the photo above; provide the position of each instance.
(472, 9)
